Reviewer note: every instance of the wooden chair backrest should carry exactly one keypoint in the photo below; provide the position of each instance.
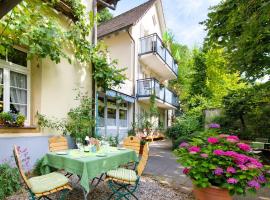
(133, 143)
(19, 165)
(58, 143)
(142, 164)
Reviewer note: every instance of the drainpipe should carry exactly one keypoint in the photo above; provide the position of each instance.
(94, 84)
(134, 75)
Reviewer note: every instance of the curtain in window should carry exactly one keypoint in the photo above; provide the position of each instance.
(18, 93)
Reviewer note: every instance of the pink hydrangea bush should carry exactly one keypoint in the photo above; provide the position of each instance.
(223, 161)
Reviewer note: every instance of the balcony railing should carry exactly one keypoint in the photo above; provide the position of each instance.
(153, 44)
(150, 86)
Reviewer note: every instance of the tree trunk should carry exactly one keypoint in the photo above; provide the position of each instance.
(243, 124)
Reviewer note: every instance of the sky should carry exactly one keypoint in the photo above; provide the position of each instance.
(182, 17)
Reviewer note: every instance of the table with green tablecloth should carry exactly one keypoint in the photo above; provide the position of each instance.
(88, 165)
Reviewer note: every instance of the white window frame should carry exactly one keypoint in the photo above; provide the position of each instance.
(126, 109)
(26, 70)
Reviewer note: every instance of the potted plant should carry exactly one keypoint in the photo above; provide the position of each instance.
(9, 119)
(220, 166)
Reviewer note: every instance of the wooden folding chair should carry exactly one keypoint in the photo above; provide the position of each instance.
(133, 143)
(124, 182)
(58, 143)
(41, 186)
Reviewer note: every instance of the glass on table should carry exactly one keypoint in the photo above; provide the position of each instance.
(79, 144)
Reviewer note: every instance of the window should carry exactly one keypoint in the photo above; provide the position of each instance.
(14, 78)
(123, 112)
(111, 112)
(101, 112)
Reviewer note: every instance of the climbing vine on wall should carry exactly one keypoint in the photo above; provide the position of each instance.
(35, 25)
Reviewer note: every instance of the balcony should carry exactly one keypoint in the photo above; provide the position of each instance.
(164, 97)
(157, 57)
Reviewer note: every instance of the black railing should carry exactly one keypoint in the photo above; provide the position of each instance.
(150, 86)
(153, 44)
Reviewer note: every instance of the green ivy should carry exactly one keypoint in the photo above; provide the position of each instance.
(33, 24)
(106, 74)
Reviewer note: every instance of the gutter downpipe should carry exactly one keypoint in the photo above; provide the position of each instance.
(134, 74)
(94, 84)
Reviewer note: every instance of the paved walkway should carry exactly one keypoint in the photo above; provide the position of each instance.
(162, 166)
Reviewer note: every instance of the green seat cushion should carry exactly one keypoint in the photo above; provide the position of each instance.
(47, 182)
(123, 174)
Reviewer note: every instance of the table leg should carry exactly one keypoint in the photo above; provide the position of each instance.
(85, 194)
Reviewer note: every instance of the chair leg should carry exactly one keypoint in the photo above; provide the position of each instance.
(63, 194)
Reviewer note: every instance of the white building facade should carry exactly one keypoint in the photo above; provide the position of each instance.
(134, 39)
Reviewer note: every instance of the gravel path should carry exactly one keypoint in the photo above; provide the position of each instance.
(149, 190)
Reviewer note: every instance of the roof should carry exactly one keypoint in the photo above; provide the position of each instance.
(110, 2)
(124, 20)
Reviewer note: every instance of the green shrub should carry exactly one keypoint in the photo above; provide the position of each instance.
(9, 179)
(37, 168)
(183, 128)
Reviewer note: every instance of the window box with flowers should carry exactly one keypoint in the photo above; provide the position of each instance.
(220, 166)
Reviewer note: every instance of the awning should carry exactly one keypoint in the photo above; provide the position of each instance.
(125, 97)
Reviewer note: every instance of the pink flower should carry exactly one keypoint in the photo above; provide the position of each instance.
(231, 170)
(232, 139)
(232, 181)
(262, 179)
(183, 145)
(254, 184)
(218, 152)
(204, 155)
(243, 167)
(194, 149)
(212, 140)
(218, 171)
(244, 147)
(186, 170)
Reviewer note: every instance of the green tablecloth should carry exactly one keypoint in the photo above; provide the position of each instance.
(88, 165)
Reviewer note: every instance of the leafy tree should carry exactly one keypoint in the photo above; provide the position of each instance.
(219, 79)
(242, 28)
(104, 15)
(250, 106)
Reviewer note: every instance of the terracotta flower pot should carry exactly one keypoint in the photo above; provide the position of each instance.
(211, 193)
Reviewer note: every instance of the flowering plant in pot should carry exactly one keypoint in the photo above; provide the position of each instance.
(223, 163)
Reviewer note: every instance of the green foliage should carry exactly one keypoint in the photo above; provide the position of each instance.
(248, 110)
(242, 29)
(37, 171)
(34, 25)
(9, 179)
(201, 160)
(104, 16)
(183, 128)
(199, 86)
(113, 141)
(107, 75)
(153, 106)
(132, 131)
(80, 122)
(8, 119)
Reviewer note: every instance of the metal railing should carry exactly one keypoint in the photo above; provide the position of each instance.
(150, 86)
(153, 44)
